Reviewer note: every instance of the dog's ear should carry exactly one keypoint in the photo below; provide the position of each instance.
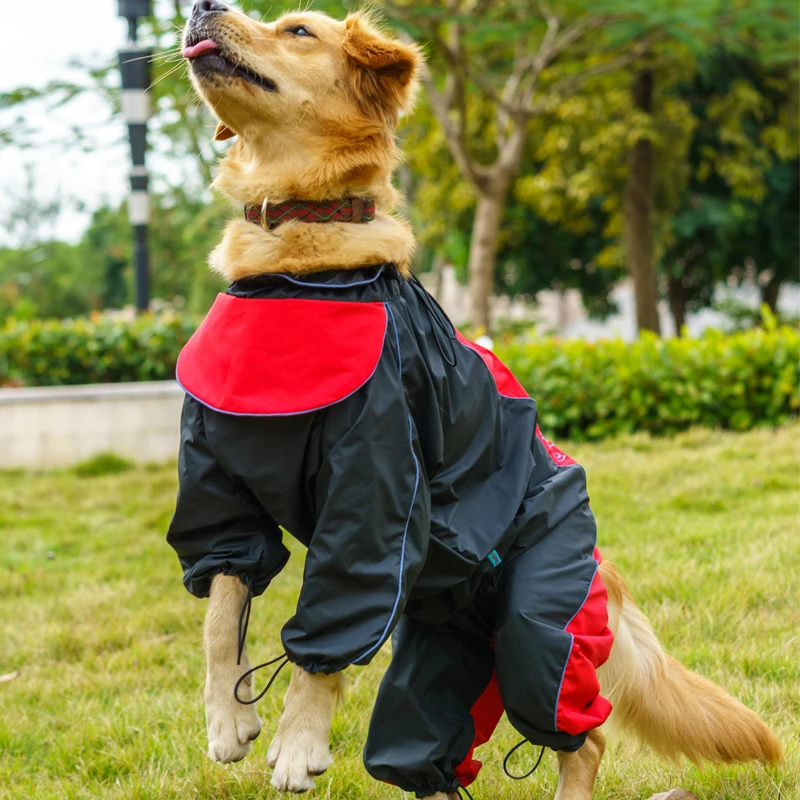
(223, 132)
(384, 70)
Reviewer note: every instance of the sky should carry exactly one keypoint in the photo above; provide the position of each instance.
(59, 31)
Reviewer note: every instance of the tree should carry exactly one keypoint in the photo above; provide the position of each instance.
(535, 110)
(501, 57)
(523, 58)
(738, 209)
(537, 255)
(639, 203)
(763, 31)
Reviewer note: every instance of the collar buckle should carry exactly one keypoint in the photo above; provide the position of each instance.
(265, 223)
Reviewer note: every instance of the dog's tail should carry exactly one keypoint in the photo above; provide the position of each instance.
(667, 707)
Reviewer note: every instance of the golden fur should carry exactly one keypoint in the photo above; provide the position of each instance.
(328, 132)
(669, 708)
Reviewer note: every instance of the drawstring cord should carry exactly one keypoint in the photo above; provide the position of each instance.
(527, 774)
(244, 621)
(283, 658)
(511, 752)
(439, 322)
(244, 618)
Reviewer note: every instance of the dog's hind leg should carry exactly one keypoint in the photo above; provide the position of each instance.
(301, 749)
(231, 726)
(577, 771)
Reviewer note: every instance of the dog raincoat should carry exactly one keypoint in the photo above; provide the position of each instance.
(345, 408)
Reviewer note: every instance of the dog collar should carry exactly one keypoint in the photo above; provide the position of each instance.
(350, 209)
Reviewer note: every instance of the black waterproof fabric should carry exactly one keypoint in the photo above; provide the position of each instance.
(424, 496)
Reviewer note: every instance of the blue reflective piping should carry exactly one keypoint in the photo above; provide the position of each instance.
(396, 339)
(288, 413)
(411, 509)
(572, 638)
(561, 682)
(382, 637)
(330, 285)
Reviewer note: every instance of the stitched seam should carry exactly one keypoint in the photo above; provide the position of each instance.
(390, 314)
(494, 380)
(585, 599)
(572, 642)
(561, 682)
(402, 548)
(366, 282)
(396, 340)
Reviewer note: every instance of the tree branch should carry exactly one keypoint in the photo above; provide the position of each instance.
(569, 85)
(452, 118)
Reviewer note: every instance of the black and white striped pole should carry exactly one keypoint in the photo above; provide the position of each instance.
(134, 65)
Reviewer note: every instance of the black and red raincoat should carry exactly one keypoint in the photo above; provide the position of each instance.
(345, 408)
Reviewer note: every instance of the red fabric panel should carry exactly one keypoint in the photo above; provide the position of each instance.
(506, 383)
(556, 453)
(486, 713)
(276, 357)
(509, 386)
(580, 706)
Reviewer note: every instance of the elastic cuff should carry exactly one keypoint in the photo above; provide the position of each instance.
(449, 788)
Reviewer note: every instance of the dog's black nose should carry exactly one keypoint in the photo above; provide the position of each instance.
(203, 7)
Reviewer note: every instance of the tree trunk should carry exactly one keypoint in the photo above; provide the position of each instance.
(483, 255)
(677, 304)
(770, 292)
(639, 201)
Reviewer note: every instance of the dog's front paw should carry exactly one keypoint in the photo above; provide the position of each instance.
(296, 757)
(232, 727)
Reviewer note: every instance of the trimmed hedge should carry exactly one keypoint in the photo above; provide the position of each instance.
(97, 349)
(584, 390)
(594, 390)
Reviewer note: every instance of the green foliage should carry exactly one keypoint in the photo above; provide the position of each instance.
(47, 278)
(736, 216)
(584, 390)
(55, 279)
(102, 464)
(100, 349)
(591, 391)
(724, 132)
(742, 316)
(536, 255)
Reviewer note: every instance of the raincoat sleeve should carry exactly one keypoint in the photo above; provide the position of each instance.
(372, 528)
(218, 525)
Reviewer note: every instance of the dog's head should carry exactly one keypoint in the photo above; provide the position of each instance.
(304, 87)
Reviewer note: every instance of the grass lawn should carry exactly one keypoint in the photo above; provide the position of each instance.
(107, 643)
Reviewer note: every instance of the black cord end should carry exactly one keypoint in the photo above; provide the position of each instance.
(527, 774)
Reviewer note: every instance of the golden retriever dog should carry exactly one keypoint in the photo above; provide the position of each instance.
(313, 104)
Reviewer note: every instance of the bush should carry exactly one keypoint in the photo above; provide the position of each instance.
(102, 464)
(97, 349)
(584, 390)
(590, 391)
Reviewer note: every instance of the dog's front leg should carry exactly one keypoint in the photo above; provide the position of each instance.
(301, 747)
(231, 725)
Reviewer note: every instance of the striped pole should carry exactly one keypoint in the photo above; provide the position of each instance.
(134, 65)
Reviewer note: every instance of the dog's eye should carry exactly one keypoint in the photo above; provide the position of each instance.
(300, 30)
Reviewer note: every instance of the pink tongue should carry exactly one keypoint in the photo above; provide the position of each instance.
(201, 49)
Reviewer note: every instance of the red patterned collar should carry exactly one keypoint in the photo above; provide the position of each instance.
(349, 209)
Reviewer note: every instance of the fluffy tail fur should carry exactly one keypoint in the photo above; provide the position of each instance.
(667, 707)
